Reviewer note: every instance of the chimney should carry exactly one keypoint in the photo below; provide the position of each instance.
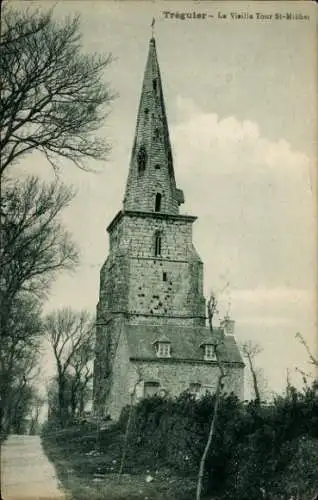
(228, 325)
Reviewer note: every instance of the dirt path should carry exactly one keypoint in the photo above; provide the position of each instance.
(26, 473)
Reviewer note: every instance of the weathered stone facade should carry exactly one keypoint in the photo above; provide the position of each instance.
(172, 377)
(151, 284)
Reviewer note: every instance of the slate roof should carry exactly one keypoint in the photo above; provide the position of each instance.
(162, 338)
(185, 342)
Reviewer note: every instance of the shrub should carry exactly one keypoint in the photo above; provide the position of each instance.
(252, 447)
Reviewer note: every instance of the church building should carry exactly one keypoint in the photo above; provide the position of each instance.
(151, 333)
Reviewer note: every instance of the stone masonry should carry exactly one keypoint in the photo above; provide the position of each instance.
(150, 331)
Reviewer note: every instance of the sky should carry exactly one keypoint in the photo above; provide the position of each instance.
(241, 103)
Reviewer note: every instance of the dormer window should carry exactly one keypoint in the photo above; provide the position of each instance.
(163, 347)
(163, 350)
(209, 352)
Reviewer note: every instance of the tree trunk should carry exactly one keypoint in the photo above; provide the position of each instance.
(255, 382)
(62, 410)
(123, 457)
(210, 437)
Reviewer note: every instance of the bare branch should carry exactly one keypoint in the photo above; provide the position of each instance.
(70, 334)
(250, 350)
(53, 97)
(312, 358)
(34, 244)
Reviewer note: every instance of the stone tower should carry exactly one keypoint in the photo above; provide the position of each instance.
(152, 279)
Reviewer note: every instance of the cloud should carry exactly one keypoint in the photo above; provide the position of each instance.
(274, 295)
(253, 197)
(230, 145)
(272, 308)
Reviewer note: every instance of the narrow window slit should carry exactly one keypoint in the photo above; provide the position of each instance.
(158, 202)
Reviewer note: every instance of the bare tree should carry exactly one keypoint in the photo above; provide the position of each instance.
(82, 374)
(250, 350)
(36, 407)
(53, 96)
(35, 246)
(69, 332)
(313, 360)
(217, 343)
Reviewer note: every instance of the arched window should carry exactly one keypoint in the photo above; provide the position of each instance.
(157, 243)
(142, 159)
(158, 202)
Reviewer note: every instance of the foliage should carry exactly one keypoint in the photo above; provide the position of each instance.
(71, 335)
(34, 244)
(19, 354)
(53, 97)
(259, 451)
(34, 248)
(79, 464)
(255, 446)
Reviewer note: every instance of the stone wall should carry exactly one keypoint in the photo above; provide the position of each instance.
(176, 377)
(164, 288)
(108, 334)
(136, 235)
(124, 377)
(173, 377)
(137, 281)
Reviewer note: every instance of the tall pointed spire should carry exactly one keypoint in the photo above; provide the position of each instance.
(151, 183)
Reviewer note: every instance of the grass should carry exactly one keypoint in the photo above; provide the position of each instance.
(90, 475)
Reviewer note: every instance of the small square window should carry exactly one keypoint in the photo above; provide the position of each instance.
(209, 354)
(163, 350)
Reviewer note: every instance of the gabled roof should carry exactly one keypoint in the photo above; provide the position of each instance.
(185, 342)
(162, 338)
(208, 339)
